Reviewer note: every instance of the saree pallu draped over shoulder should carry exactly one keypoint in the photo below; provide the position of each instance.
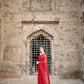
(43, 72)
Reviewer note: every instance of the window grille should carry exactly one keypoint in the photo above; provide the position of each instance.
(35, 44)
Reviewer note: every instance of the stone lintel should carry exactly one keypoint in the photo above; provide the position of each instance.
(40, 22)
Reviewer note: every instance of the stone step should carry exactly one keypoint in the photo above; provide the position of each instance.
(33, 80)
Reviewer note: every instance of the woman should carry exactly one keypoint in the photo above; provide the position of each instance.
(43, 72)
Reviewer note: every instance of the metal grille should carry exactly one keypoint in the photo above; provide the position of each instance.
(36, 42)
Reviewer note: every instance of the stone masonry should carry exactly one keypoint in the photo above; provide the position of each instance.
(61, 19)
(82, 69)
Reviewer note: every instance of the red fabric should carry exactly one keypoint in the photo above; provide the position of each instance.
(43, 72)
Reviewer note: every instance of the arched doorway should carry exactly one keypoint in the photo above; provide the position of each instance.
(35, 44)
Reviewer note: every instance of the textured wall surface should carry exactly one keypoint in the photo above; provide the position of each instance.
(0, 26)
(83, 55)
(67, 31)
(0, 38)
(82, 68)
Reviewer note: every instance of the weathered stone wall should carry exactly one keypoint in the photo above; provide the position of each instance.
(82, 68)
(83, 55)
(11, 40)
(0, 39)
(67, 48)
(0, 26)
(70, 37)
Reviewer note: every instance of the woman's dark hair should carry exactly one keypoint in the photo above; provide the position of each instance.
(43, 48)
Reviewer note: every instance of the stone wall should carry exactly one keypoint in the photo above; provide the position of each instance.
(70, 38)
(82, 68)
(83, 56)
(11, 41)
(68, 47)
(0, 27)
(0, 38)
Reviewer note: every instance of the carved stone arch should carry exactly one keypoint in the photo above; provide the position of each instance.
(38, 32)
(32, 36)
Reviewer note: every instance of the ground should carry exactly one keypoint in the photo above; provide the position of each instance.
(30, 80)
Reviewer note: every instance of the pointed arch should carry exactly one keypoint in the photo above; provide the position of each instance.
(40, 32)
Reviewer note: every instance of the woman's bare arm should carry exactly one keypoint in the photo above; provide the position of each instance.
(37, 62)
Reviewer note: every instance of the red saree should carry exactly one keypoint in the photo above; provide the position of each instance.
(43, 72)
